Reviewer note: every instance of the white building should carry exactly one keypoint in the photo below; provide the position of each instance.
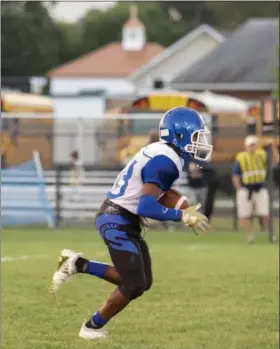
(79, 88)
(178, 57)
(108, 67)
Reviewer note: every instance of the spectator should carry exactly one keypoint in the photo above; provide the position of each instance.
(212, 187)
(202, 186)
(76, 169)
(196, 185)
(249, 174)
(276, 162)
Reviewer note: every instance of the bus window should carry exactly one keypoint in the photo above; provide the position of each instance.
(196, 105)
(207, 117)
(259, 125)
(143, 127)
(254, 111)
(270, 122)
(142, 103)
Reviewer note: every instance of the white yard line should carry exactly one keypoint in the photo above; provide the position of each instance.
(23, 257)
(40, 256)
(153, 249)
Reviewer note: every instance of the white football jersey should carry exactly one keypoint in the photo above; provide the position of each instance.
(126, 190)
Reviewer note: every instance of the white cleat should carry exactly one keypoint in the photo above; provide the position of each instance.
(91, 333)
(65, 269)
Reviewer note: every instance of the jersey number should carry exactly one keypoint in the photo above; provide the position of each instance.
(121, 182)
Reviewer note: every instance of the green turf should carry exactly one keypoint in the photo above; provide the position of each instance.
(213, 292)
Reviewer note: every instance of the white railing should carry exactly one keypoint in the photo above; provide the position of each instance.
(83, 201)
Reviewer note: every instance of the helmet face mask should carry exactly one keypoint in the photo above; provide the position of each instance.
(200, 147)
(185, 128)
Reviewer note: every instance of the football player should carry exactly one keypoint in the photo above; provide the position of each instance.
(153, 170)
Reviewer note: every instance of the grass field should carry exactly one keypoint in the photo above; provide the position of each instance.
(213, 292)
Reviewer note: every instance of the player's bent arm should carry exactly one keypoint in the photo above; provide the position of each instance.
(158, 175)
(148, 205)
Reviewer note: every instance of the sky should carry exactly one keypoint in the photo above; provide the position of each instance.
(72, 11)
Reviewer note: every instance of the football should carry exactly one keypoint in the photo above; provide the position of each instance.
(174, 199)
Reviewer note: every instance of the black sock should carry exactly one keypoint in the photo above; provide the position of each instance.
(81, 264)
(92, 324)
(97, 321)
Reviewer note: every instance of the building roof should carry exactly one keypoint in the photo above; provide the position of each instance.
(248, 57)
(108, 61)
(177, 46)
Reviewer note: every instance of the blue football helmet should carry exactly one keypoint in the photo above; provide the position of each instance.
(185, 129)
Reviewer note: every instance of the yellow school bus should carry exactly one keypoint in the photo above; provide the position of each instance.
(26, 126)
(264, 128)
(225, 116)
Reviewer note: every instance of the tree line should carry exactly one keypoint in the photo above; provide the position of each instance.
(33, 42)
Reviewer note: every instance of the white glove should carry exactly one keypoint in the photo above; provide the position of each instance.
(194, 219)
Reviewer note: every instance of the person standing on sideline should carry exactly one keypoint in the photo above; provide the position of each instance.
(196, 184)
(248, 177)
(76, 169)
(202, 184)
(77, 176)
(211, 175)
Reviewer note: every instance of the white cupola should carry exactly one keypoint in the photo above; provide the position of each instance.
(133, 35)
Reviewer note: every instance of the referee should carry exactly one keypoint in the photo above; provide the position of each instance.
(248, 176)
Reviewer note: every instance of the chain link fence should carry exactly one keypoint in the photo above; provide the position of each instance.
(100, 142)
(103, 146)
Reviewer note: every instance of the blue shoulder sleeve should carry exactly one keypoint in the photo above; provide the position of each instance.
(160, 170)
(236, 169)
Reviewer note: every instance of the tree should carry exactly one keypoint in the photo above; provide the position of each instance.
(221, 14)
(193, 13)
(159, 27)
(68, 37)
(33, 43)
(99, 28)
(30, 39)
